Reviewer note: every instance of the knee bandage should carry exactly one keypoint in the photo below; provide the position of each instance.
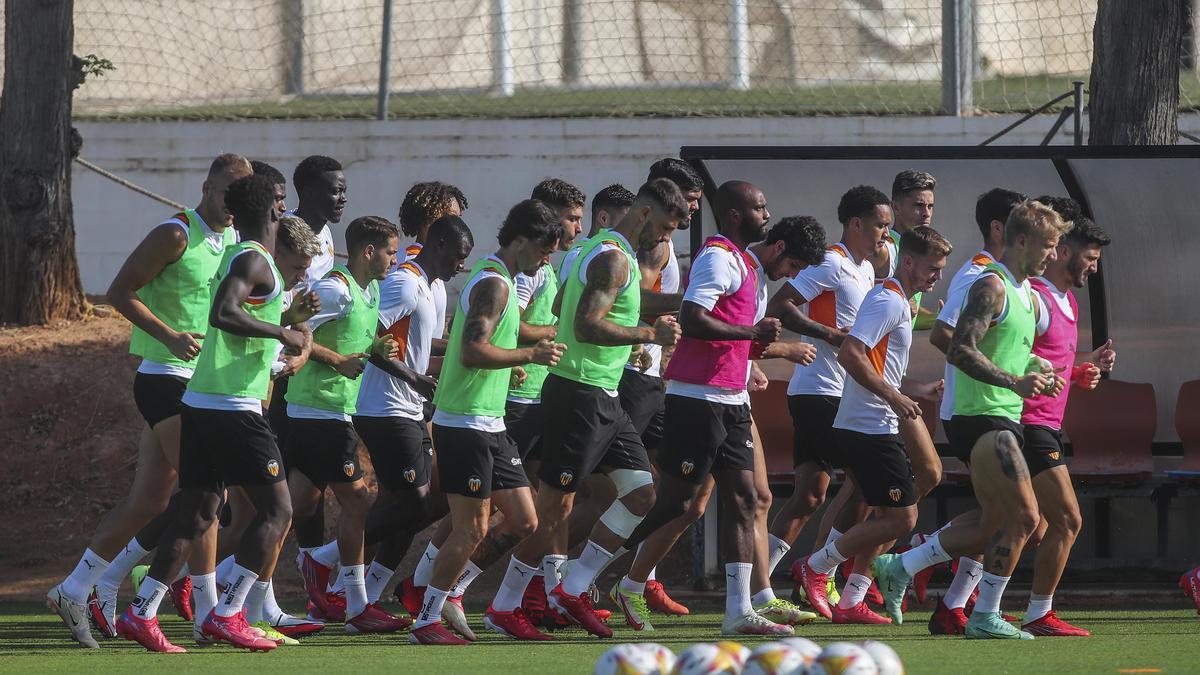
(620, 519)
(628, 480)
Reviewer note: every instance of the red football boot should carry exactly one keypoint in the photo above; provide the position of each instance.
(375, 619)
(514, 624)
(1193, 586)
(411, 596)
(946, 621)
(316, 579)
(579, 608)
(858, 614)
(658, 600)
(235, 631)
(1052, 626)
(181, 597)
(146, 633)
(814, 588)
(533, 602)
(99, 617)
(435, 634)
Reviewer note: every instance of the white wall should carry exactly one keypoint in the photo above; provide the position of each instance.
(495, 162)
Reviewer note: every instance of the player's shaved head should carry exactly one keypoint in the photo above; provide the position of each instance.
(735, 194)
(742, 205)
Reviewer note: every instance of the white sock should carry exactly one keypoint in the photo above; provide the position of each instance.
(204, 594)
(621, 550)
(184, 571)
(424, 571)
(326, 554)
(552, 571)
(1039, 606)
(254, 601)
(776, 549)
(337, 582)
(651, 577)
(237, 587)
(584, 571)
(356, 588)
(512, 588)
(991, 588)
(926, 555)
(737, 589)
(150, 594)
(763, 597)
(224, 566)
(632, 586)
(79, 582)
(119, 568)
(855, 591)
(271, 609)
(965, 581)
(834, 535)
(470, 573)
(431, 609)
(827, 559)
(378, 577)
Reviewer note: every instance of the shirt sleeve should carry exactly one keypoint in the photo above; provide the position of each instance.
(955, 298)
(880, 313)
(714, 273)
(813, 281)
(527, 286)
(335, 300)
(397, 299)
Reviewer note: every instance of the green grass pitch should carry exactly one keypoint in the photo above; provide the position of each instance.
(1130, 641)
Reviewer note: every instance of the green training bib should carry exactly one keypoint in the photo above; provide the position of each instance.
(539, 312)
(1008, 344)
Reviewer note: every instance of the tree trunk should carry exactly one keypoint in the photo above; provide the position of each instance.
(1135, 72)
(39, 275)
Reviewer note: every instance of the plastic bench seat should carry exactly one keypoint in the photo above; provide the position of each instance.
(1111, 430)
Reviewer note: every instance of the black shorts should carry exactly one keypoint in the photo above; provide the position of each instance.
(642, 398)
(158, 396)
(702, 437)
(964, 430)
(812, 430)
(586, 429)
(880, 467)
(474, 463)
(400, 450)
(277, 413)
(1043, 448)
(325, 451)
(219, 448)
(524, 423)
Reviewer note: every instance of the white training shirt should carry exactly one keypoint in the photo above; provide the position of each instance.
(215, 241)
(477, 422)
(335, 304)
(668, 282)
(834, 290)
(884, 325)
(529, 288)
(1060, 299)
(197, 399)
(407, 313)
(956, 298)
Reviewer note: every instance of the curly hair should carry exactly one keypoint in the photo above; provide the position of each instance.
(426, 202)
(859, 202)
(803, 238)
(250, 199)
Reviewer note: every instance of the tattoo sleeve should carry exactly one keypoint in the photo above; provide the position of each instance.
(606, 275)
(983, 303)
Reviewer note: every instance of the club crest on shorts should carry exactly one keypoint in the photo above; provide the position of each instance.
(515, 461)
(273, 468)
(687, 467)
(474, 483)
(895, 494)
(1054, 455)
(750, 443)
(410, 475)
(348, 468)
(565, 478)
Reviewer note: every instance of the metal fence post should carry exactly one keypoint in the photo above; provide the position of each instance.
(385, 62)
(739, 45)
(294, 17)
(958, 50)
(502, 61)
(572, 68)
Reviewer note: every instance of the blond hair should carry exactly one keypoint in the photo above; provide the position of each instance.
(230, 163)
(295, 234)
(1033, 218)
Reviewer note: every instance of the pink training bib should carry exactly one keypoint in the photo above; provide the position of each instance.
(1056, 345)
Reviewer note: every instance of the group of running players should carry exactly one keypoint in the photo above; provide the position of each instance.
(591, 404)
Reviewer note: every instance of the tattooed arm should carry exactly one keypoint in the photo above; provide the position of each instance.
(486, 307)
(985, 301)
(606, 275)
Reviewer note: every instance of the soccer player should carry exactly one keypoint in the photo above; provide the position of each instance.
(1076, 259)
(708, 425)
(609, 206)
(991, 348)
(163, 290)
(423, 204)
(478, 463)
(586, 428)
(832, 292)
(322, 398)
(278, 182)
(225, 439)
(866, 428)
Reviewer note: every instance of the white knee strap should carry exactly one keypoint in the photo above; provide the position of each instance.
(620, 519)
(628, 480)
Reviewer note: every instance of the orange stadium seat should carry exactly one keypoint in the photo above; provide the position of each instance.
(1187, 425)
(1111, 430)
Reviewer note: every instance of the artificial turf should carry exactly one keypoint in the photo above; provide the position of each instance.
(1125, 641)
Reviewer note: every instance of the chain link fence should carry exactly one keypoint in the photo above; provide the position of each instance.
(534, 58)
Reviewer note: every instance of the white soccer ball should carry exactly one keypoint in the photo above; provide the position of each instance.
(844, 658)
(775, 658)
(886, 659)
(807, 648)
(704, 659)
(626, 659)
(738, 652)
(664, 658)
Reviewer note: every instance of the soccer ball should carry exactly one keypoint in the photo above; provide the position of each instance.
(736, 651)
(886, 658)
(626, 659)
(664, 658)
(704, 659)
(775, 658)
(807, 648)
(844, 658)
